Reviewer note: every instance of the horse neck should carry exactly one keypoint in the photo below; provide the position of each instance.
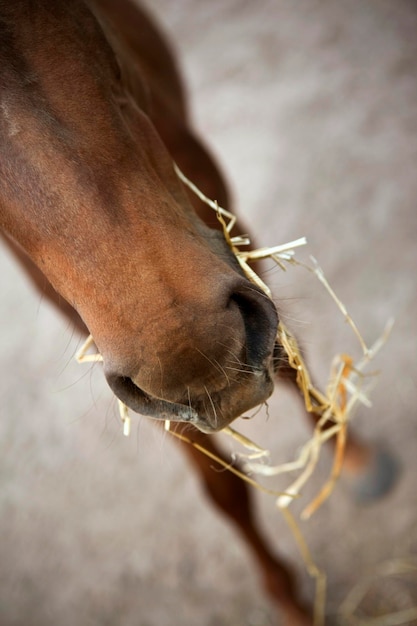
(80, 161)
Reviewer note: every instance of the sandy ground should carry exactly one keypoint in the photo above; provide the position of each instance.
(310, 107)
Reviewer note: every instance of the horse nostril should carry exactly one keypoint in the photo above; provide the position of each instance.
(260, 319)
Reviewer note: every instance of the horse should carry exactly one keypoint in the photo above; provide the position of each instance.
(93, 116)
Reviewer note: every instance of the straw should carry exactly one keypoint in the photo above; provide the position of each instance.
(333, 407)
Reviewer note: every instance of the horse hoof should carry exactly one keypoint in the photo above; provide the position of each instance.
(378, 477)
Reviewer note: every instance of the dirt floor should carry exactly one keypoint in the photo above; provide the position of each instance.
(310, 107)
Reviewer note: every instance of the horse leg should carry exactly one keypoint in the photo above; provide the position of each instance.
(231, 496)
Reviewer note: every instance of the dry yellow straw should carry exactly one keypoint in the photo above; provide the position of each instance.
(227, 466)
(333, 407)
(393, 567)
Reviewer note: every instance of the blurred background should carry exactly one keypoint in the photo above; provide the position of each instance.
(310, 108)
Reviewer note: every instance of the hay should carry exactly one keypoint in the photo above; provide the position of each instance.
(345, 388)
(334, 407)
(351, 610)
(344, 391)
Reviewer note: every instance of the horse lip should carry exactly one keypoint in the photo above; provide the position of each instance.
(143, 403)
(140, 402)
